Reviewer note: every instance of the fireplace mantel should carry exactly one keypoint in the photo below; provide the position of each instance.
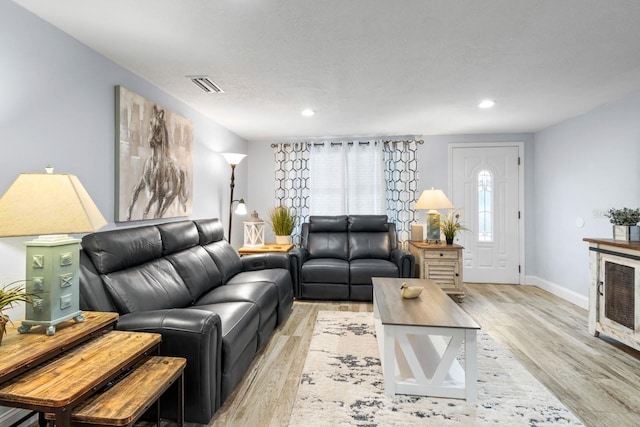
(614, 292)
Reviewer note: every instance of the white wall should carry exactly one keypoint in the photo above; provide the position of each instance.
(591, 162)
(57, 107)
(433, 166)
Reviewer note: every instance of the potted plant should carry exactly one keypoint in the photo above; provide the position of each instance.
(624, 222)
(450, 225)
(8, 295)
(282, 222)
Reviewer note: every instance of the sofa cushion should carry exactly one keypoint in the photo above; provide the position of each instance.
(116, 250)
(177, 236)
(93, 295)
(209, 230)
(362, 270)
(226, 258)
(263, 295)
(212, 239)
(365, 244)
(325, 270)
(278, 278)
(359, 223)
(152, 286)
(328, 245)
(319, 224)
(197, 269)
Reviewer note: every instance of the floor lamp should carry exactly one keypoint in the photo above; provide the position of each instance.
(432, 200)
(234, 159)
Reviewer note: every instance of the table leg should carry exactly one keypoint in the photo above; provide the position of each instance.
(471, 365)
(389, 362)
(158, 412)
(62, 417)
(181, 400)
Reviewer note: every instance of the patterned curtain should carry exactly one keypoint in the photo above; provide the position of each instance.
(401, 180)
(292, 181)
(401, 176)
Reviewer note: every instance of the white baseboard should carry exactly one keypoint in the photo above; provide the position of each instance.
(13, 415)
(573, 297)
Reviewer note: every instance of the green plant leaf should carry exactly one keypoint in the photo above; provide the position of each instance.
(282, 221)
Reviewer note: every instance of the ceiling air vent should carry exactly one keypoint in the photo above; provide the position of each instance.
(206, 84)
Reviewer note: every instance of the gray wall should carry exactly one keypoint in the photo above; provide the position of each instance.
(591, 162)
(57, 107)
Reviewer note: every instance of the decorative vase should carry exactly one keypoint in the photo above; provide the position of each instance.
(283, 240)
(626, 232)
(449, 240)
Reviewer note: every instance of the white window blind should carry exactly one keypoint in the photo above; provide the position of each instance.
(346, 179)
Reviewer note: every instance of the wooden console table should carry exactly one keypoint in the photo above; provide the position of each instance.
(614, 291)
(441, 263)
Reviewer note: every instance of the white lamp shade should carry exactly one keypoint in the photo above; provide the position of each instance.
(48, 203)
(241, 209)
(233, 158)
(433, 199)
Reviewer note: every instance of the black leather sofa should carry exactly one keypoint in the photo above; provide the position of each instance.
(339, 255)
(184, 281)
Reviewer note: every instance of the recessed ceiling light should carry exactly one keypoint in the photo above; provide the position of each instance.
(487, 103)
(308, 112)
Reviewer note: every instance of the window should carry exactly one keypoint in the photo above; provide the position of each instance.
(346, 179)
(357, 177)
(485, 206)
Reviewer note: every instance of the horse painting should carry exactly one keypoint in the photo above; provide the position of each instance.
(162, 180)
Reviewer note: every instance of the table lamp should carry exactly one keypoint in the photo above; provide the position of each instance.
(432, 200)
(50, 205)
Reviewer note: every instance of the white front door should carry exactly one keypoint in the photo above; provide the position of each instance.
(485, 185)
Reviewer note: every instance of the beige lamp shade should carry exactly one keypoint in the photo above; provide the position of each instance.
(47, 203)
(433, 199)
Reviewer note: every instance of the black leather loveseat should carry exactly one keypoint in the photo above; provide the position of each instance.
(184, 281)
(339, 255)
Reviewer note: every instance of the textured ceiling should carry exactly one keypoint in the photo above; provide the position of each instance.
(369, 67)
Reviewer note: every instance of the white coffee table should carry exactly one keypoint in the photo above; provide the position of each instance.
(420, 338)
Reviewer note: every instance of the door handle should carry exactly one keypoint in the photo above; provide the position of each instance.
(600, 288)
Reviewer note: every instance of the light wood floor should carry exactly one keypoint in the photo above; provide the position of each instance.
(599, 380)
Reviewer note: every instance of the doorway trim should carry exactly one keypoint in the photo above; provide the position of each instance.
(521, 187)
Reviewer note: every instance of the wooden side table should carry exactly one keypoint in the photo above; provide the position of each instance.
(269, 247)
(441, 263)
(125, 402)
(21, 352)
(59, 385)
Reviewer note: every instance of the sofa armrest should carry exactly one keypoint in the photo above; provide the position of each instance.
(195, 335)
(297, 257)
(405, 262)
(262, 261)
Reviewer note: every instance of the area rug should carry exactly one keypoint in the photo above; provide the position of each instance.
(342, 385)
